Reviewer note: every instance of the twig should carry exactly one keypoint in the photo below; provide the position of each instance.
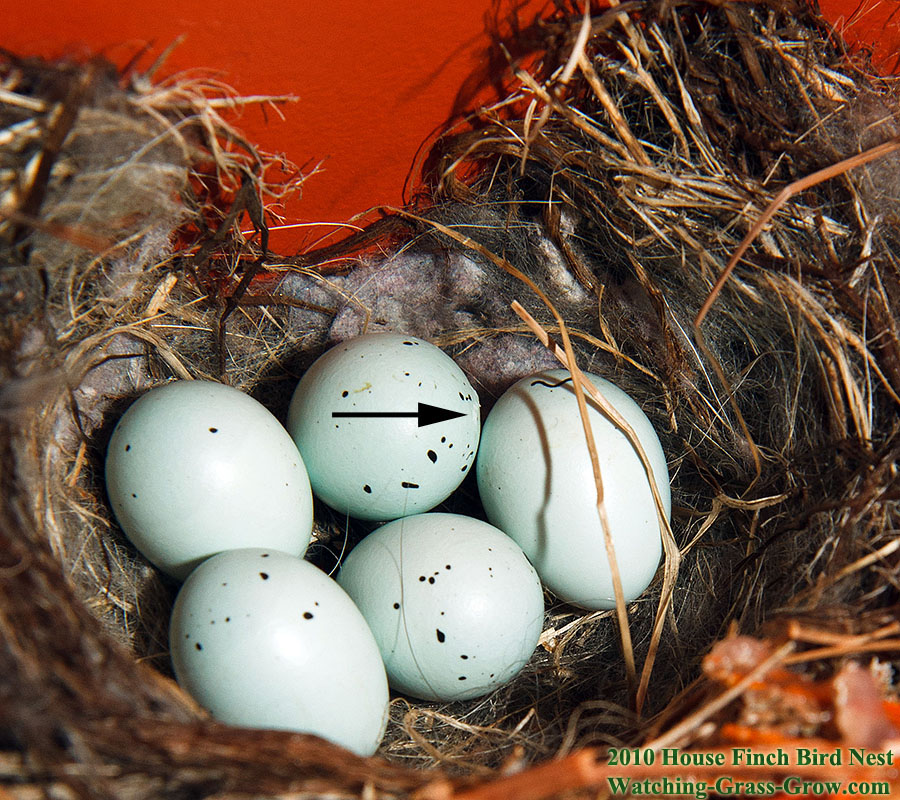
(780, 199)
(675, 735)
(673, 555)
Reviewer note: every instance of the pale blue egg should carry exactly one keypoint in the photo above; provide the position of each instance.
(265, 640)
(537, 485)
(455, 606)
(195, 467)
(357, 417)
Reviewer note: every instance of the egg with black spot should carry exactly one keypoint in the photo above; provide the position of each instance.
(454, 604)
(195, 467)
(262, 639)
(376, 419)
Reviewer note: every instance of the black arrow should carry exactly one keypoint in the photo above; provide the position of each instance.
(426, 414)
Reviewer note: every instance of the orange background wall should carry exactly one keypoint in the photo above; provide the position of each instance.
(374, 78)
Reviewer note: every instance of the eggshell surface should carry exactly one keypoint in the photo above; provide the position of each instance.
(266, 640)
(194, 468)
(375, 467)
(537, 485)
(455, 606)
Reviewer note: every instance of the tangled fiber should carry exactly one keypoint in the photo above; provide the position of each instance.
(634, 150)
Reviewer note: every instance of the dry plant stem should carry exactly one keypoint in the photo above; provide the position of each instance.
(851, 648)
(673, 555)
(63, 119)
(723, 379)
(576, 55)
(799, 633)
(576, 771)
(780, 199)
(615, 115)
(674, 736)
(69, 233)
(579, 385)
(865, 561)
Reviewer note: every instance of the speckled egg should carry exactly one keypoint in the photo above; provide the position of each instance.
(455, 606)
(363, 419)
(195, 467)
(265, 640)
(536, 483)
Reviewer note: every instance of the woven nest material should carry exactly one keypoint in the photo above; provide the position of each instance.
(619, 176)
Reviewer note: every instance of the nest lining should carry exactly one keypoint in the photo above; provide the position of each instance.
(623, 204)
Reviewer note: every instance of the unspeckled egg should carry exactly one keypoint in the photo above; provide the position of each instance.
(262, 639)
(195, 467)
(455, 606)
(387, 459)
(536, 483)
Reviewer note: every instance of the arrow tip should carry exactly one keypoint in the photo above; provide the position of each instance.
(429, 415)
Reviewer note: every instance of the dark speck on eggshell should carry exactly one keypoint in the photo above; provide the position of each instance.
(264, 575)
(307, 615)
(396, 605)
(127, 447)
(433, 456)
(198, 646)
(367, 489)
(441, 636)
(409, 485)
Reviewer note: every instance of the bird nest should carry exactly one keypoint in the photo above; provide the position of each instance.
(697, 201)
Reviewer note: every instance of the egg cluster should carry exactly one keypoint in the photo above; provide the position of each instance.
(215, 492)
